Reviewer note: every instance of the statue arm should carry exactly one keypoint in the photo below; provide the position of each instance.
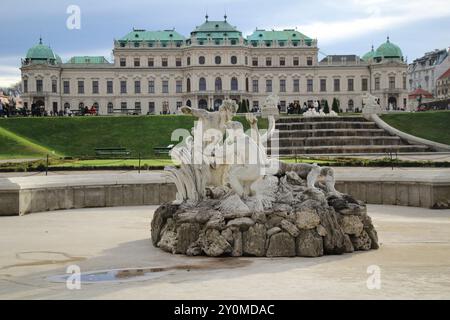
(270, 130)
(199, 113)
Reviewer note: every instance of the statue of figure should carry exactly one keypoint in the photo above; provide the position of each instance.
(316, 105)
(244, 158)
(371, 105)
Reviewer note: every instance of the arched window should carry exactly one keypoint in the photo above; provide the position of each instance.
(202, 84)
(66, 106)
(188, 61)
(203, 104)
(81, 105)
(189, 103)
(95, 105)
(246, 85)
(234, 84)
(110, 107)
(188, 85)
(218, 84)
(351, 105)
(233, 60)
(218, 60)
(201, 60)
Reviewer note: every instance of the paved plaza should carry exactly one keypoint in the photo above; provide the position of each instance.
(414, 260)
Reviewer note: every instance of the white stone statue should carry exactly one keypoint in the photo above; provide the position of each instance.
(371, 105)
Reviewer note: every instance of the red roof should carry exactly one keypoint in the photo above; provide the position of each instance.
(420, 92)
(445, 75)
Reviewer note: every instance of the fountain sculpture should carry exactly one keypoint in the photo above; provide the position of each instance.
(235, 200)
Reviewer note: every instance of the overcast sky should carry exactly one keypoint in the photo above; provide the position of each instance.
(341, 27)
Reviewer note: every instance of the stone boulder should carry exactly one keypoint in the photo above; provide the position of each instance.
(214, 244)
(281, 245)
(352, 225)
(309, 244)
(254, 241)
(307, 219)
(159, 220)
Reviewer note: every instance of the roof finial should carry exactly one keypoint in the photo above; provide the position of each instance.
(225, 16)
(373, 48)
(206, 17)
(388, 39)
(40, 39)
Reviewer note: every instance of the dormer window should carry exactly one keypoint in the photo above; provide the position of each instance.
(136, 35)
(136, 44)
(217, 26)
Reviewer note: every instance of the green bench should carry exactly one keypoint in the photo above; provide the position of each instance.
(115, 152)
(163, 150)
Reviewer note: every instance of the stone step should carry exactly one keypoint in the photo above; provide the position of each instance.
(326, 125)
(338, 141)
(351, 149)
(332, 132)
(320, 119)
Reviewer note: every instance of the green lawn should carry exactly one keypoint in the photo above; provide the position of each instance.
(13, 146)
(79, 136)
(434, 126)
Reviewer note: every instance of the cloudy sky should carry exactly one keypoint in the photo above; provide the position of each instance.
(341, 27)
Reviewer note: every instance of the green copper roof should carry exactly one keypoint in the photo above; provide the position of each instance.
(388, 50)
(40, 52)
(216, 26)
(369, 55)
(285, 35)
(143, 35)
(88, 60)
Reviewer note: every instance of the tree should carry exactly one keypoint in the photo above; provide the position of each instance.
(326, 107)
(336, 105)
(243, 108)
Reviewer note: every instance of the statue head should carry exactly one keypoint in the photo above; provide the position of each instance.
(234, 128)
(228, 110)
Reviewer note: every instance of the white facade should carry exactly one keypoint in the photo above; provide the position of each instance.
(160, 75)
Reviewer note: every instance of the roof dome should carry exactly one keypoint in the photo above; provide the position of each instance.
(388, 50)
(41, 52)
(369, 55)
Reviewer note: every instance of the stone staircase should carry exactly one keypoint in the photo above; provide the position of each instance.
(338, 135)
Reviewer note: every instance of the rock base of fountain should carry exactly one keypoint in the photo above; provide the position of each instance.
(291, 221)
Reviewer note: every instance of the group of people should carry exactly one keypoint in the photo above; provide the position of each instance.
(295, 108)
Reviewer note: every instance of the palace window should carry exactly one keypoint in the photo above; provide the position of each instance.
(351, 85)
(377, 83)
(109, 87)
(188, 61)
(309, 85)
(404, 83)
(255, 85)
(309, 61)
(66, 87)
(179, 104)
(391, 82)
(201, 60)
(365, 85)
(95, 87)
(296, 61)
(218, 84)
(178, 62)
(218, 60)
(151, 62)
(179, 86)
(165, 62)
(282, 85)
(282, 61)
(110, 107)
(123, 62)
(137, 87)
(151, 107)
(202, 84)
(54, 86)
(234, 59)
(283, 105)
(39, 85)
(188, 85)
(254, 61)
(268, 62)
(323, 85)
(137, 62)
(165, 86)
(137, 107)
(337, 85)
(123, 106)
(296, 85)
(151, 86)
(268, 85)
(25, 85)
(234, 84)
(123, 87)
(80, 87)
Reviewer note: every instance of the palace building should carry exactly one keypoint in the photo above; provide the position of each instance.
(157, 72)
